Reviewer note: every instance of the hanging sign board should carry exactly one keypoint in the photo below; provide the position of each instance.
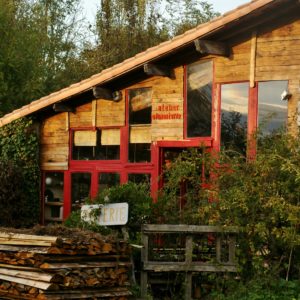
(105, 215)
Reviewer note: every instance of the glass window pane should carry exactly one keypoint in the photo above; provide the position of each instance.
(139, 153)
(272, 111)
(139, 178)
(81, 186)
(234, 110)
(199, 99)
(140, 106)
(107, 180)
(54, 196)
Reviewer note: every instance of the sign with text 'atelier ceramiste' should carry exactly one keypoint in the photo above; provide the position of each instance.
(105, 215)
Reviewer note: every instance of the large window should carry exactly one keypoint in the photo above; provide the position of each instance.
(234, 116)
(199, 99)
(101, 144)
(272, 111)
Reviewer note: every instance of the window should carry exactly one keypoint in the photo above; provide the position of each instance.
(81, 186)
(54, 196)
(140, 109)
(234, 116)
(101, 144)
(139, 178)
(107, 180)
(199, 99)
(272, 111)
(140, 106)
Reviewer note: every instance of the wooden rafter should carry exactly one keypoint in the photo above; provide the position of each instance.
(157, 70)
(208, 47)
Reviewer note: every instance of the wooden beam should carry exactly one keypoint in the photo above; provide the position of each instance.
(61, 107)
(102, 93)
(253, 58)
(212, 47)
(106, 94)
(157, 70)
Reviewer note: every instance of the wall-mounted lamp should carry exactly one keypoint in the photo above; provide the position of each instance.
(285, 96)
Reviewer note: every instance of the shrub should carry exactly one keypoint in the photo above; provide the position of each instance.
(19, 173)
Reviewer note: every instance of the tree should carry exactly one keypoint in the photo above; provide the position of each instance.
(126, 27)
(40, 45)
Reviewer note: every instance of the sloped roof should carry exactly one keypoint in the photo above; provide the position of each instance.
(138, 60)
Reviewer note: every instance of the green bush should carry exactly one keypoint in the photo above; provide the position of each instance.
(139, 201)
(19, 174)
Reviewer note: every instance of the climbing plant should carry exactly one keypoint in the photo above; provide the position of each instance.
(19, 174)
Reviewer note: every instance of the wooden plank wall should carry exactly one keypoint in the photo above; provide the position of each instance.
(167, 106)
(277, 58)
(54, 142)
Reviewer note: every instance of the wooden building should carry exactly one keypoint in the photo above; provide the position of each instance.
(126, 122)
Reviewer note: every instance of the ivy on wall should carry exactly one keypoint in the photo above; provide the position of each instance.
(19, 174)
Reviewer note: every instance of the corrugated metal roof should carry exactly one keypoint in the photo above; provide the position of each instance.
(137, 61)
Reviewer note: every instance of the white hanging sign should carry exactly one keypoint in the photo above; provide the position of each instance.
(105, 215)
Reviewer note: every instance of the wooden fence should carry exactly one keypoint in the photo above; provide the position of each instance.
(188, 249)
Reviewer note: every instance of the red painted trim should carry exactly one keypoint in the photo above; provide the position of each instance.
(252, 121)
(67, 194)
(205, 142)
(185, 101)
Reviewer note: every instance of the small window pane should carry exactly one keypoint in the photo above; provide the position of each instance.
(81, 186)
(107, 145)
(199, 99)
(54, 193)
(272, 111)
(139, 178)
(139, 153)
(140, 106)
(107, 180)
(234, 117)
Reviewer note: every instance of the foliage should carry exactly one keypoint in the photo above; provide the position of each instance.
(39, 47)
(19, 173)
(126, 27)
(260, 196)
(187, 14)
(262, 288)
(139, 201)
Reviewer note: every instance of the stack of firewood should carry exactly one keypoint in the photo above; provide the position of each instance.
(83, 266)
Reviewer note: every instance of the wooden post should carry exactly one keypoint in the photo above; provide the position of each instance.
(94, 113)
(218, 248)
(253, 59)
(188, 286)
(144, 257)
(232, 243)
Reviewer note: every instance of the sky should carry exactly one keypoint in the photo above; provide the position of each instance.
(222, 6)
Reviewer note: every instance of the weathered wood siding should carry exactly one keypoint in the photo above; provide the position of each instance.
(276, 57)
(54, 142)
(166, 124)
